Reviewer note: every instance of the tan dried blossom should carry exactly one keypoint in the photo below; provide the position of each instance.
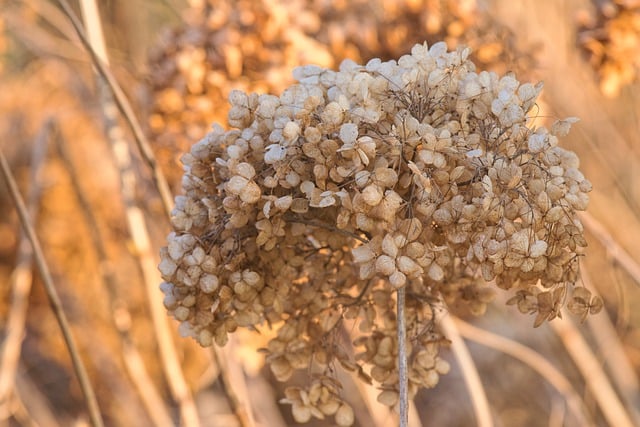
(583, 303)
(611, 39)
(283, 223)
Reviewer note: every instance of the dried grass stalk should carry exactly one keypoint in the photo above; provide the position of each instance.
(534, 360)
(593, 373)
(151, 398)
(124, 106)
(611, 350)
(21, 278)
(138, 229)
(54, 299)
(469, 370)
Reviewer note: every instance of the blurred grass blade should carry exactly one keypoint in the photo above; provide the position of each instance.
(592, 372)
(469, 370)
(534, 360)
(138, 227)
(403, 377)
(612, 351)
(21, 278)
(133, 360)
(125, 107)
(54, 299)
(614, 250)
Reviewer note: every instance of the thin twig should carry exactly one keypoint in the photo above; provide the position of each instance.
(54, 299)
(614, 250)
(125, 108)
(319, 224)
(591, 369)
(377, 415)
(265, 402)
(39, 40)
(35, 404)
(151, 398)
(381, 415)
(403, 376)
(469, 371)
(534, 360)
(50, 14)
(143, 145)
(138, 227)
(232, 383)
(138, 231)
(621, 370)
(21, 278)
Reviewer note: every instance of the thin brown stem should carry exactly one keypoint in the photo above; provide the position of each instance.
(137, 224)
(35, 405)
(403, 375)
(319, 224)
(39, 40)
(612, 351)
(151, 398)
(614, 250)
(54, 299)
(592, 372)
(135, 217)
(232, 382)
(469, 370)
(21, 278)
(125, 108)
(534, 360)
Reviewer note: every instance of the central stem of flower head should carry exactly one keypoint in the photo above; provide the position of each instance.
(414, 176)
(403, 374)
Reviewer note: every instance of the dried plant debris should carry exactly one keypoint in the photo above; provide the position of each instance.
(253, 45)
(612, 41)
(318, 204)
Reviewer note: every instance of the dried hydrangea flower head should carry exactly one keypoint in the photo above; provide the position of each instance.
(321, 202)
(611, 39)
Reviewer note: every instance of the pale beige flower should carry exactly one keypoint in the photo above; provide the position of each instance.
(309, 213)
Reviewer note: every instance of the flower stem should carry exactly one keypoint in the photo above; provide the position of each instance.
(402, 360)
(54, 299)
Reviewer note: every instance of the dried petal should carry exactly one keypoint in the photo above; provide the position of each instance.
(345, 416)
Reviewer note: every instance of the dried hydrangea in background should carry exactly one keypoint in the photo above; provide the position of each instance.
(319, 203)
(253, 45)
(612, 40)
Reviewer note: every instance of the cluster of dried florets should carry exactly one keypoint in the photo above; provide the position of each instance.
(612, 38)
(252, 46)
(417, 173)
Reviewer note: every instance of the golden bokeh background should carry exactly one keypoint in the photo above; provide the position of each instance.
(177, 61)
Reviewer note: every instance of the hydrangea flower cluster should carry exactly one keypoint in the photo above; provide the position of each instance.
(321, 202)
